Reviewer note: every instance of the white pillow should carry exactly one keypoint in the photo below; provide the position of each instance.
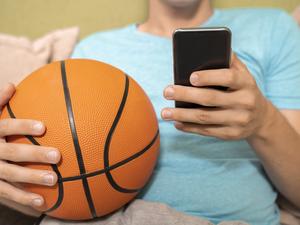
(19, 56)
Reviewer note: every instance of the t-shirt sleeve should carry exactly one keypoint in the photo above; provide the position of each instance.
(283, 69)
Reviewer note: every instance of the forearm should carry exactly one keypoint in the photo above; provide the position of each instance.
(278, 145)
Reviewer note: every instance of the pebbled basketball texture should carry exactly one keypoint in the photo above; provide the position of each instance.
(105, 127)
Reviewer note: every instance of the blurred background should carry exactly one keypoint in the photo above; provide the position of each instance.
(34, 18)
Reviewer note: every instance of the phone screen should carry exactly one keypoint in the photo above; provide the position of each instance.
(199, 49)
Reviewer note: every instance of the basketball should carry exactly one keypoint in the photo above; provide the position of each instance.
(103, 124)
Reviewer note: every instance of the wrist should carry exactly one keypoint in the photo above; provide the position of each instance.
(269, 119)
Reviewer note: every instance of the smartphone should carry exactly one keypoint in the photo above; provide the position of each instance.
(196, 49)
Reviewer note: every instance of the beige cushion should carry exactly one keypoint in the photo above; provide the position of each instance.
(19, 56)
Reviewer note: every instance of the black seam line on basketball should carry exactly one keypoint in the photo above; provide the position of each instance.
(39, 219)
(76, 140)
(95, 173)
(108, 140)
(54, 167)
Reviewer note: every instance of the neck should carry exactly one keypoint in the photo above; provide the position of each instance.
(163, 19)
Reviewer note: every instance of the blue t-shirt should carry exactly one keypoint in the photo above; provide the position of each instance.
(203, 176)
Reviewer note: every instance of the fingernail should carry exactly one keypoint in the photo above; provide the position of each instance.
(169, 92)
(166, 114)
(38, 126)
(48, 179)
(37, 202)
(52, 156)
(194, 78)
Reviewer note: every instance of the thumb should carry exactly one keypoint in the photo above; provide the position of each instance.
(233, 58)
(235, 62)
(6, 93)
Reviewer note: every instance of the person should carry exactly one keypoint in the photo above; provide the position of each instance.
(296, 14)
(223, 163)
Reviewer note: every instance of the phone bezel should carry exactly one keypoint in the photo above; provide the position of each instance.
(200, 29)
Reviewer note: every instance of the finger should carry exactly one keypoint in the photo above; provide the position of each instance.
(220, 77)
(15, 173)
(21, 127)
(201, 96)
(28, 153)
(6, 93)
(17, 195)
(208, 116)
(232, 57)
(221, 132)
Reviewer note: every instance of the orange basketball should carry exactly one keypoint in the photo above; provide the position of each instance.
(105, 128)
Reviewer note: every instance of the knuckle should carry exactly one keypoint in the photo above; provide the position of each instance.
(6, 173)
(4, 194)
(38, 154)
(26, 125)
(249, 101)
(182, 92)
(31, 177)
(205, 131)
(208, 99)
(3, 190)
(244, 119)
(230, 77)
(202, 117)
(28, 198)
(8, 152)
(42, 154)
(36, 177)
(29, 125)
(235, 133)
(232, 134)
(23, 199)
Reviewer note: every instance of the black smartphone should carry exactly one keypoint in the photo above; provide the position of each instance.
(197, 49)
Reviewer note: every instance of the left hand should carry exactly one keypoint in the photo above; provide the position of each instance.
(240, 111)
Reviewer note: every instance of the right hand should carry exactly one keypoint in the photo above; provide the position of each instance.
(12, 174)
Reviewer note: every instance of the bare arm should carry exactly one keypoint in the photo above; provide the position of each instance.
(243, 113)
(278, 146)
